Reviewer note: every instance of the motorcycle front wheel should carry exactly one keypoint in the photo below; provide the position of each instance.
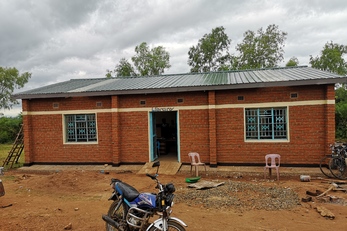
(172, 226)
(117, 213)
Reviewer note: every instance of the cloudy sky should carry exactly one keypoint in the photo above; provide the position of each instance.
(58, 40)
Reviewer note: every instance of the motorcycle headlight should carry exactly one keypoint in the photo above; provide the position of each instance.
(169, 188)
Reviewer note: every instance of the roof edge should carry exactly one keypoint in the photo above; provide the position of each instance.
(183, 89)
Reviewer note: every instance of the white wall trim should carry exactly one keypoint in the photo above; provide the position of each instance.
(201, 107)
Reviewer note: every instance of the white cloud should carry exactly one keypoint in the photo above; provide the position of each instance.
(60, 40)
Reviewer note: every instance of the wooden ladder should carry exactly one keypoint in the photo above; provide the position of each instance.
(16, 150)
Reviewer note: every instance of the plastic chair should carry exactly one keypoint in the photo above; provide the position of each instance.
(275, 163)
(195, 161)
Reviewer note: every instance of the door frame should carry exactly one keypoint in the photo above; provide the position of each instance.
(152, 136)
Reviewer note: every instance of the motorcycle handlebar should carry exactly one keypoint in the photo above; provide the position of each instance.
(153, 177)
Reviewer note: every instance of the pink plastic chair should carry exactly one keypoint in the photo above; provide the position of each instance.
(275, 163)
(195, 161)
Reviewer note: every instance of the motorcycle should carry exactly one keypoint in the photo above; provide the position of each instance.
(132, 210)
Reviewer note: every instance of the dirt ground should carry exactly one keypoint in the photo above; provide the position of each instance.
(76, 200)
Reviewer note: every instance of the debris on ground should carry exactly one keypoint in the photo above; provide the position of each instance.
(68, 227)
(5, 206)
(205, 185)
(326, 191)
(241, 196)
(324, 212)
(324, 197)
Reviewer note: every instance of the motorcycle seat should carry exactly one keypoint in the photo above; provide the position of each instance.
(127, 191)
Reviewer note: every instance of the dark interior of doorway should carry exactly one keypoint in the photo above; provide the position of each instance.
(166, 130)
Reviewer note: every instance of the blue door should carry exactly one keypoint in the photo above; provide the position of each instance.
(153, 136)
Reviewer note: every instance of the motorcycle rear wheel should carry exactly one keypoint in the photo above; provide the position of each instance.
(324, 166)
(173, 226)
(116, 214)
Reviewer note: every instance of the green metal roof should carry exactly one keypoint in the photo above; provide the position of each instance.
(293, 76)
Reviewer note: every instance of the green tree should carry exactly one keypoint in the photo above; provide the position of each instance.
(261, 49)
(123, 69)
(341, 113)
(151, 62)
(9, 128)
(10, 79)
(331, 59)
(293, 62)
(146, 62)
(211, 53)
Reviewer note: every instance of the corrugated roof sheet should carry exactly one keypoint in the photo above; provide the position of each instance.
(186, 82)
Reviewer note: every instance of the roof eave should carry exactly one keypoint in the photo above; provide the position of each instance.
(182, 89)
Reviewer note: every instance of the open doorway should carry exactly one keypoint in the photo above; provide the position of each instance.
(166, 141)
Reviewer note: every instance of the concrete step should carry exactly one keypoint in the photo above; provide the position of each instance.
(166, 168)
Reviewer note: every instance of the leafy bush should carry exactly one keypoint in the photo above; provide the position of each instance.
(9, 128)
(341, 113)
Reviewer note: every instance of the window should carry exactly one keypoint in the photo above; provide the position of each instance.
(266, 123)
(55, 105)
(180, 100)
(293, 95)
(80, 128)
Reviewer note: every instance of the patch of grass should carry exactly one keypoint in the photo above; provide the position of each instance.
(8, 178)
(4, 150)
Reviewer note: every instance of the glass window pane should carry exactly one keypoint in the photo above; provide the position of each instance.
(266, 123)
(80, 128)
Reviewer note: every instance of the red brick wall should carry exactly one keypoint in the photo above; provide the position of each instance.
(46, 141)
(217, 134)
(311, 127)
(134, 137)
(44, 133)
(164, 100)
(278, 94)
(194, 136)
(77, 103)
(307, 138)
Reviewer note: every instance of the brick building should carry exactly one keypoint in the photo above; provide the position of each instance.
(230, 118)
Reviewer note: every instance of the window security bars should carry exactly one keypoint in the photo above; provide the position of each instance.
(80, 128)
(266, 123)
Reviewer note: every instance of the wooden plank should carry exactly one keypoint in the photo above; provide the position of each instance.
(334, 181)
(205, 184)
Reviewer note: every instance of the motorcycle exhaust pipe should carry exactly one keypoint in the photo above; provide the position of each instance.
(110, 221)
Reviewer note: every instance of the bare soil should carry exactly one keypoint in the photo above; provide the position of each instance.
(76, 200)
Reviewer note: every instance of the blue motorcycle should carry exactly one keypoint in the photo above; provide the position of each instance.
(132, 210)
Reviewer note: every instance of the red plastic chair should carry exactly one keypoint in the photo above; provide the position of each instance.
(274, 163)
(195, 161)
